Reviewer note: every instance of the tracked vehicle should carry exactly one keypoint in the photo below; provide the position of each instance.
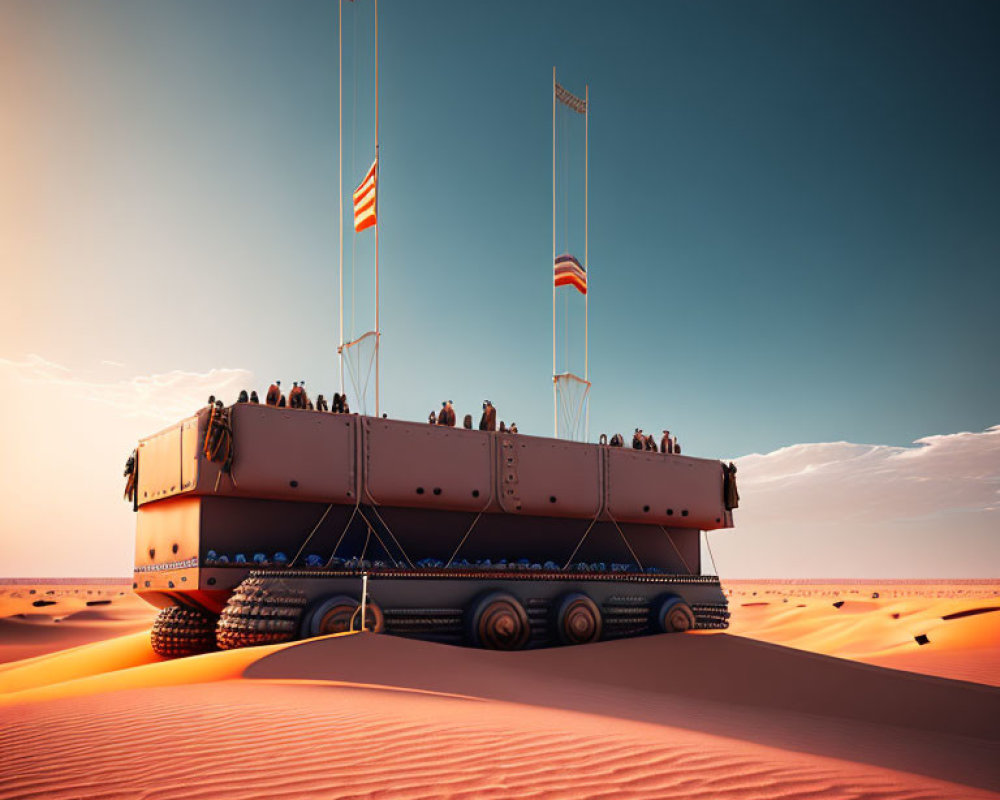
(258, 524)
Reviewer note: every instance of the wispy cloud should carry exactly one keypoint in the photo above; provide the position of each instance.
(66, 435)
(167, 396)
(839, 508)
(957, 472)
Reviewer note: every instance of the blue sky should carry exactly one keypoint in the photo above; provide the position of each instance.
(793, 205)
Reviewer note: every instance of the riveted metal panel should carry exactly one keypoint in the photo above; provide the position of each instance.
(549, 477)
(426, 466)
(160, 465)
(287, 454)
(662, 489)
(190, 445)
(166, 544)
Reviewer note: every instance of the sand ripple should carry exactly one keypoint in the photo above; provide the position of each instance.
(252, 739)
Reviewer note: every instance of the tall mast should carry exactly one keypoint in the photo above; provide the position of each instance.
(555, 394)
(586, 252)
(569, 389)
(378, 169)
(368, 218)
(340, 176)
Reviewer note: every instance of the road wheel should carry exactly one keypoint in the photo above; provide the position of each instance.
(577, 619)
(497, 621)
(673, 615)
(335, 614)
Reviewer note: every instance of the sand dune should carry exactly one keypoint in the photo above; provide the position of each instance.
(271, 738)
(69, 615)
(957, 623)
(716, 684)
(33, 635)
(686, 716)
(64, 596)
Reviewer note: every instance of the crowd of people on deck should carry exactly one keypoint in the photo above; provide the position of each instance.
(487, 422)
(299, 398)
(641, 441)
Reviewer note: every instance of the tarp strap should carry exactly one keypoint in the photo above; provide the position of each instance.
(624, 539)
(310, 536)
(459, 547)
(579, 544)
(676, 550)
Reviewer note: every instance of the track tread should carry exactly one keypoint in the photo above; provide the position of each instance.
(181, 631)
(259, 613)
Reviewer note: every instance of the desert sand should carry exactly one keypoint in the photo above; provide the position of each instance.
(39, 617)
(949, 629)
(790, 703)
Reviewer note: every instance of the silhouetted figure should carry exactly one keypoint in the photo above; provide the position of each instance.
(338, 403)
(304, 401)
(273, 394)
(211, 400)
(281, 401)
(130, 478)
(617, 440)
(503, 428)
(253, 397)
(666, 445)
(677, 447)
(488, 421)
(321, 403)
(467, 422)
(347, 408)
(244, 397)
(729, 491)
(637, 439)
(650, 444)
(512, 428)
(295, 396)
(432, 418)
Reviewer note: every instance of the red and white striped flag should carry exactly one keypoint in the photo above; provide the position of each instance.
(364, 199)
(568, 272)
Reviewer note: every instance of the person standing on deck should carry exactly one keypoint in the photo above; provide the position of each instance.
(488, 421)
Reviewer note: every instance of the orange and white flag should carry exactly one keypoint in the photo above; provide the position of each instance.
(364, 199)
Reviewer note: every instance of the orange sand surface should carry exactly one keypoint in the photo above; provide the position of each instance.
(703, 715)
(961, 622)
(44, 617)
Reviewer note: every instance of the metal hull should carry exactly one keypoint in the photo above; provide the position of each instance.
(435, 516)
